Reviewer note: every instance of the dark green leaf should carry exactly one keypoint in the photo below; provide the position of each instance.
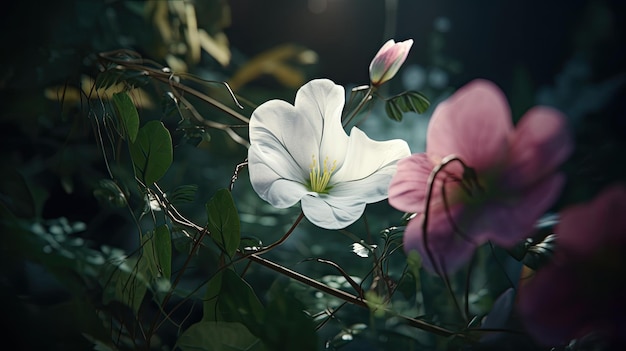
(182, 194)
(240, 304)
(127, 283)
(108, 192)
(218, 336)
(15, 194)
(229, 298)
(157, 251)
(163, 249)
(416, 102)
(410, 101)
(127, 113)
(224, 221)
(393, 111)
(152, 152)
(287, 325)
(210, 306)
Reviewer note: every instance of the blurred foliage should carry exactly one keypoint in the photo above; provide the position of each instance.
(124, 135)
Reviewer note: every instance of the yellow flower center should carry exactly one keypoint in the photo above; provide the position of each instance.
(320, 176)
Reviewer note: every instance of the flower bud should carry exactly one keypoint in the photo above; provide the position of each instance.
(388, 60)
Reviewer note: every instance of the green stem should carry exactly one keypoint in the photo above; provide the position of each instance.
(366, 98)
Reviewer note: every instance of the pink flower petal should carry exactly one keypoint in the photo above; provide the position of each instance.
(449, 250)
(586, 227)
(474, 124)
(582, 290)
(540, 144)
(388, 60)
(407, 191)
(506, 223)
(551, 306)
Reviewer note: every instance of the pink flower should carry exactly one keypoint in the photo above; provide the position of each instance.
(509, 180)
(388, 60)
(582, 290)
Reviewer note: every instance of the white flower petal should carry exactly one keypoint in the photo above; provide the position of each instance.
(267, 160)
(368, 190)
(284, 193)
(365, 156)
(322, 96)
(300, 129)
(331, 213)
(272, 187)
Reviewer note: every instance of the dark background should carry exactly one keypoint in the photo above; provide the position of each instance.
(489, 37)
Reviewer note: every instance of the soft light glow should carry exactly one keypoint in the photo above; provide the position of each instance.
(318, 6)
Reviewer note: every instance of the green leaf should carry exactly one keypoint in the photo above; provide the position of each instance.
(218, 336)
(149, 255)
(182, 194)
(127, 283)
(229, 298)
(210, 306)
(163, 248)
(410, 101)
(287, 325)
(127, 114)
(393, 110)
(157, 250)
(224, 221)
(109, 193)
(415, 102)
(240, 303)
(152, 152)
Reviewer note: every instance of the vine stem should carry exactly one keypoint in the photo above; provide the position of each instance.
(166, 299)
(438, 265)
(166, 76)
(283, 238)
(345, 296)
(340, 294)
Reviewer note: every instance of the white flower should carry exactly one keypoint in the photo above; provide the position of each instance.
(302, 153)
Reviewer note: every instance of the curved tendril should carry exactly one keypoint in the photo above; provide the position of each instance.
(431, 183)
(349, 279)
(283, 238)
(235, 176)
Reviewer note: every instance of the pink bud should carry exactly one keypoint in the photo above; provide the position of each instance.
(388, 60)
